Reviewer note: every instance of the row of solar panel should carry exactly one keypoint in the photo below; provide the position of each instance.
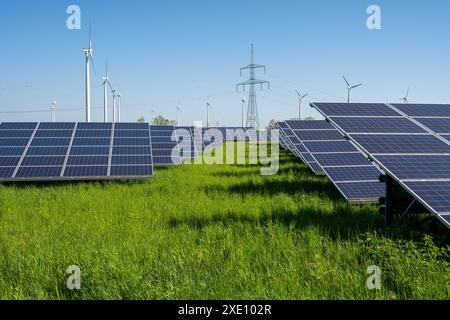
(339, 159)
(408, 145)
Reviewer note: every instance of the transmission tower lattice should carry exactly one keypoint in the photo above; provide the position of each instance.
(252, 112)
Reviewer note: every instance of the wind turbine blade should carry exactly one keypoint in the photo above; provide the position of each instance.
(90, 35)
(304, 96)
(348, 84)
(93, 63)
(407, 93)
(298, 93)
(358, 85)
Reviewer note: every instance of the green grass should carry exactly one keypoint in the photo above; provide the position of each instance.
(211, 232)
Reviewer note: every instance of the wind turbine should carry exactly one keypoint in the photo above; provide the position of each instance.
(88, 53)
(178, 114)
(300, 100)
(243, 107)
(119, 102)
(405, 99)
(153, 116)
(208, 104)
(114, 92)
(105, 93)
(53, 111)
(350, 88)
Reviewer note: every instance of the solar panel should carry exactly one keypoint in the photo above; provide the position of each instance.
(309, 125)
(440, 126)
(424, 110)
(346, 159)
(420, 163)
(165, 149)
(398, 144)
(417, 166)
(362, 192)
(356, 109)
(71, 151)
(377, 125)
(340, 160)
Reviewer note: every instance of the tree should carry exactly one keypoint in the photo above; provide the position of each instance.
(272, 124)
(310, 118)
(161, 121)
(141, 120)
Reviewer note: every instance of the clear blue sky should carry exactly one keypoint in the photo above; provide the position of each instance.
(165, 52)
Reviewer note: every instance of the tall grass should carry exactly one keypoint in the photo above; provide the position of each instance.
(210, 232)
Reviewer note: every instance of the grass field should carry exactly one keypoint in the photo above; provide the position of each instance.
(211, 232)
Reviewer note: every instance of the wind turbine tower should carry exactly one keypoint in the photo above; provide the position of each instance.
(405, 99)
(300, 100)
(53, 110)
(252, 112)
(88, 54)
(105, 93)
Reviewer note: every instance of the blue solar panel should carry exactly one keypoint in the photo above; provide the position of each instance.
(14, 151)
(319, 135)
(131, 171)
(88, 161)
(162, 153)
(340, 174)
(307, 157)
(131, 160)
(16, 133)
(9, 161)
(437, 125)
(53, 134)
(447, 137)
(13, 142)
(356, 109)
(18, 126)
(7, 172)
(47, 151)
(162, 128)
(89, 151)
(131, 141)
(50, 142)
(83, 171)
(38, 172)
(94, 126)
(309, 125)
(57, 126)
(343, 159)
(398, 144)
(91, 142)
(330, 147)
(417, 167)
(362, 190)
(315, 167)
(131, 126)
(133, 134)
(93, 134)
(132, 151)
(435, 193)
(377, 125)
(424, 110)
(43, 161)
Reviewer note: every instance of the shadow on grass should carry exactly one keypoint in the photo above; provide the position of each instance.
(344, 223)
(272, 187)
(52, 184)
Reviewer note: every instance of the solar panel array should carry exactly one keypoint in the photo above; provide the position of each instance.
(351, 172)
(407, 142)
(291, 142)
(165, 146)
(74, 151)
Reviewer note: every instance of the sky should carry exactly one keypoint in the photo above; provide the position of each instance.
(186, 52)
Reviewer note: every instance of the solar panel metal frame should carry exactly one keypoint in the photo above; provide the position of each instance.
(442, 216)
